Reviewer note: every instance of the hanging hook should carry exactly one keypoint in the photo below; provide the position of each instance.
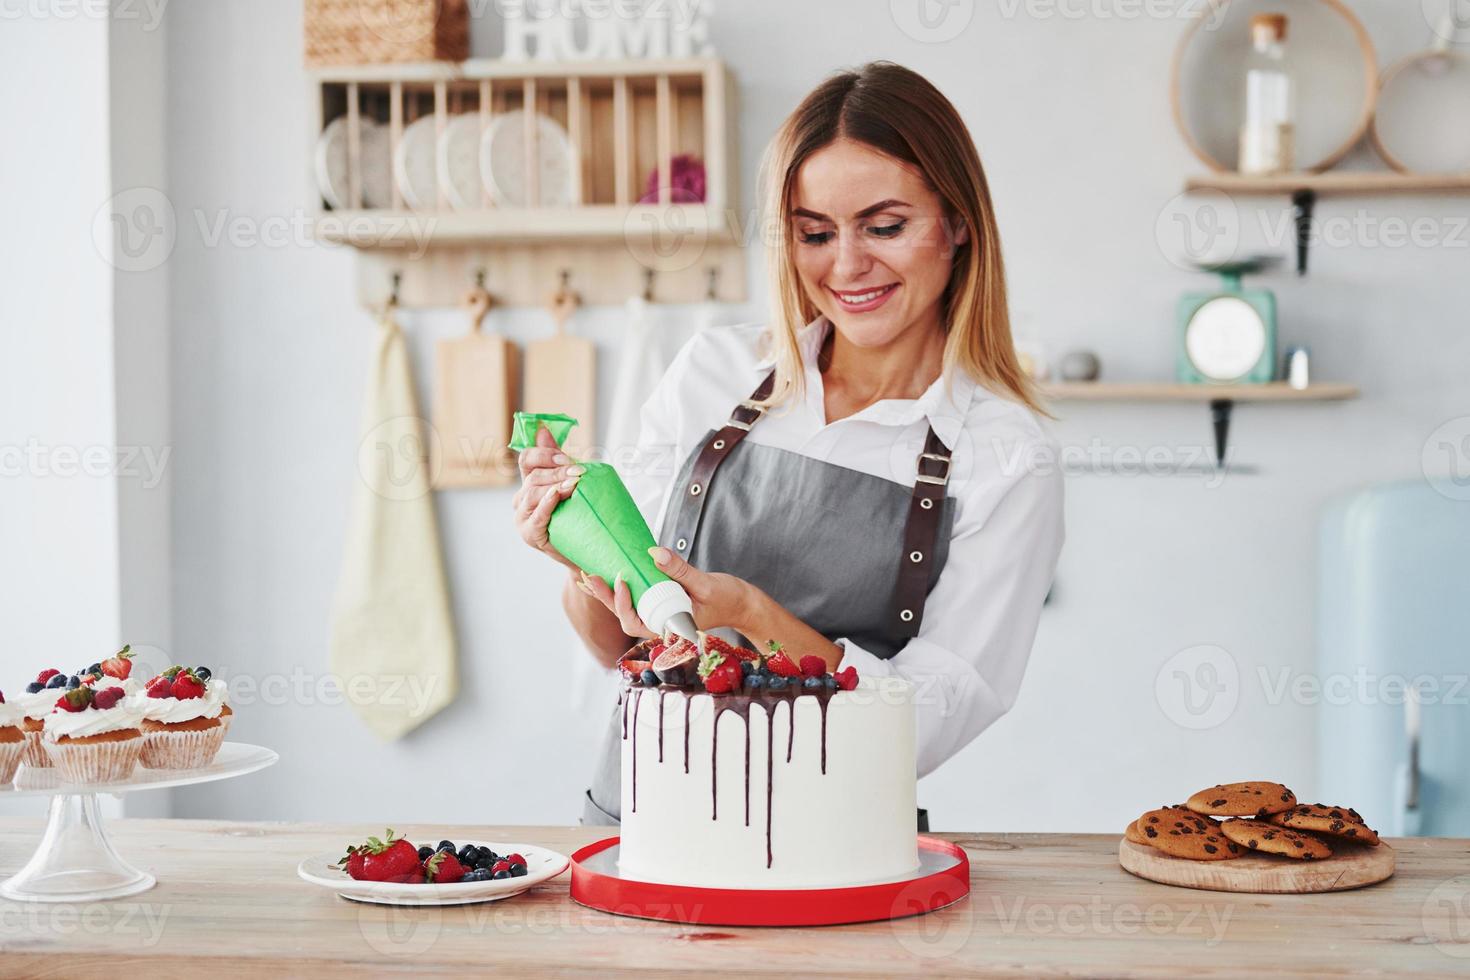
(392, 302)
(712, 283)
(480, 277)
(648, 275)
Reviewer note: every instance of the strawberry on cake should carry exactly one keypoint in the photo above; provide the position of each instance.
(12, 739)
(185, 717)
(92, 735)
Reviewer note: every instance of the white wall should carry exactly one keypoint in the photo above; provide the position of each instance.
(1071, 116)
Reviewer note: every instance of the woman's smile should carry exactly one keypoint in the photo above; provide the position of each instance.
(862, 301)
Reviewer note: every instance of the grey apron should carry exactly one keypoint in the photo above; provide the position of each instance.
(848, 553)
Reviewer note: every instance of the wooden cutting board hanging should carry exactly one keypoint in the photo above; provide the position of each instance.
(561, 375)
(474, 401)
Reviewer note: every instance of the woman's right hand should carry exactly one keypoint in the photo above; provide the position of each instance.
(548, 477)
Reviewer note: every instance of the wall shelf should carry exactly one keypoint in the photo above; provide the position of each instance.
(1221, 398)
(1334, 183)
(1157, 391)
(626, 230)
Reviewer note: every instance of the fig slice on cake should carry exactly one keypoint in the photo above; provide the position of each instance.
(678, 664)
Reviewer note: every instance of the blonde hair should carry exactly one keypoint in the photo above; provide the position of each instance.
(901, 114)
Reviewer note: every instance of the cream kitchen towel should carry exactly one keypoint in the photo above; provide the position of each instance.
(641, 363)
(393, 646)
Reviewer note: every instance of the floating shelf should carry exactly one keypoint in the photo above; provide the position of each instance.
(1146, 391)
(1335, 183)
(627, 232)
(1221, 398)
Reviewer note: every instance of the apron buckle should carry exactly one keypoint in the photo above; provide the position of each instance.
(940, 480)
(744, 424)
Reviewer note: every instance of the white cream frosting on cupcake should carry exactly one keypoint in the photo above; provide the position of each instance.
(92, 721)
(130, 686)
(38, 705)
(173, 711)
(11, 715)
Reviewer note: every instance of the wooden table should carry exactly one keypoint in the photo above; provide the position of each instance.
(229, 903)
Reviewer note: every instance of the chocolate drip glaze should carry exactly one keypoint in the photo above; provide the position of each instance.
(637, 703)
(740, 704)
(661, 693)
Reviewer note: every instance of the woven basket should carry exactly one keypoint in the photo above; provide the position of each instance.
(360, 32)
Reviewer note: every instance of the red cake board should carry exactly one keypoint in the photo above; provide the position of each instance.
(943, 878)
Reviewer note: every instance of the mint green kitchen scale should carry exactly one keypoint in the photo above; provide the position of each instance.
(1228, 335)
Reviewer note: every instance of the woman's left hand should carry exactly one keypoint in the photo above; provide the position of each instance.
(719, 599)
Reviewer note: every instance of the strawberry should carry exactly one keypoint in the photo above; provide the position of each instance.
(2, 697)
(45, 676)
(846, 678)
(160, 687)
(186, 685)
(76, 699)
(120, 664)
(717, 645)
(393, 859)
(780, 664)
(443, 868)
(633, 668)
(813, 666)
(499, 866)
(720, 672)
(102, 700)
(515, 859)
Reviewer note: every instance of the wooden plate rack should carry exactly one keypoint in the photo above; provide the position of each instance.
(626, 120)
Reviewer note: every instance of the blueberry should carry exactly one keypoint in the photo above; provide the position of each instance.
(755, 682)
(59, 681)
(446, 845)
(829, 682)
(649, 678)
(776, 683)
(425, 852)
(500, 874)
(518, 871)
(747, 667)
(73, 682)
(35, 686)
(203, 673)
(94, 669)
(485, 853)
(812, 684)
(468, 854)
(765, 672)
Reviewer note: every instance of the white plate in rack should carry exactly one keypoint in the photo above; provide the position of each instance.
(376, 159)
(459, 162)
(541, 865)
(415, 166)
(503, 161)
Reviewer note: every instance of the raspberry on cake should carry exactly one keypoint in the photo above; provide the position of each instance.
(92, 736)
(185, 717)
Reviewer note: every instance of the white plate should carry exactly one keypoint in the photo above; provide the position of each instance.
(233, 759)
(541, 865)
(377, 165)
(459, 162)
(414, 166)
(503, 161)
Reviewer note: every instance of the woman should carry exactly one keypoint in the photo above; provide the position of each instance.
(854, 480)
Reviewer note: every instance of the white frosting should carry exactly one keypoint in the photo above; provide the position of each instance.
(92, 721)
(854, 823)
(38, 705)
(11, 715)
(130, 686)
(172, 711)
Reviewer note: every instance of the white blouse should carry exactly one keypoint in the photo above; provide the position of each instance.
(980, 618)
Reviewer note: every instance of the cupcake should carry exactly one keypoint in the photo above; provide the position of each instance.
(185, 717)
(94, 736)
(12, 739)
(34, 706)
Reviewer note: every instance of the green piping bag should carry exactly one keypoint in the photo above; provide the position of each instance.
(601, 530)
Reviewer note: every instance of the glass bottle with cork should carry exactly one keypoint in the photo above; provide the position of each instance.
(1267, 136)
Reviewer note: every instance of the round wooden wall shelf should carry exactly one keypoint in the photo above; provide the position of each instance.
(1448, 72)
(1226, 26)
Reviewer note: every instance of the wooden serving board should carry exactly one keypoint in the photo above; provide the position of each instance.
(1351, 866)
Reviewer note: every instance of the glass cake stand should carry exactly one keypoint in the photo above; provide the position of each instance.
(75, 861)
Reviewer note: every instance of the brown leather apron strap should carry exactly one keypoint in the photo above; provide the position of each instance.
(920, 535)
(715, 450)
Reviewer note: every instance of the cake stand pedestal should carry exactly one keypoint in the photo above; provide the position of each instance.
(75, 861)
(942, 878)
